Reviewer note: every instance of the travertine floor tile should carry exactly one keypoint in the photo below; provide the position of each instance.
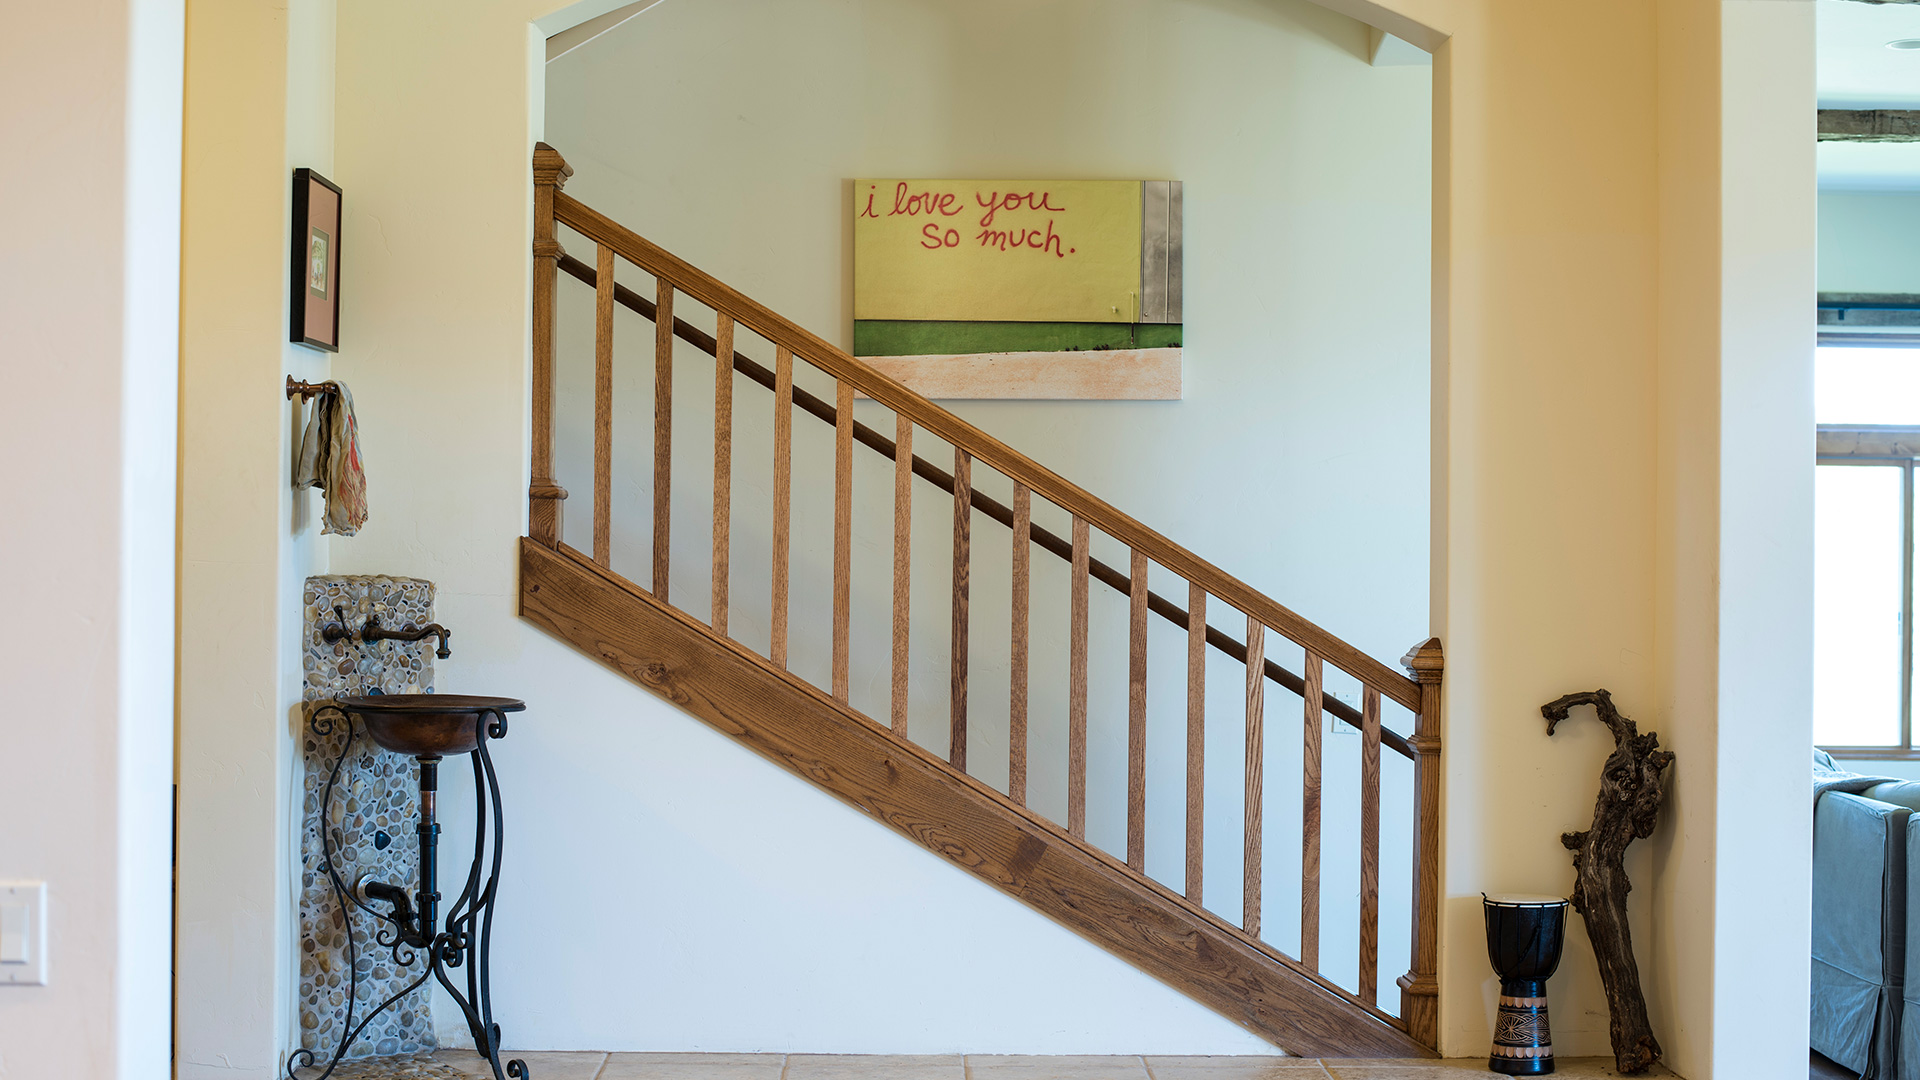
(1225, 1061)
(399, 1067)
(635, 1066)
(665, 1058)
(1054, 1067)
(874, 1067)
(1450, 1065)
(1032, 1060)
(1459, 1068)
(545, 1065)
(1248, 1067)
(692, 1067)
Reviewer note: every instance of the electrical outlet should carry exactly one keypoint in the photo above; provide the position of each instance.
(23, 933)
(1335, 725)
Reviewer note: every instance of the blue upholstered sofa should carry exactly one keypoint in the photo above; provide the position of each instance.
(1866, 930)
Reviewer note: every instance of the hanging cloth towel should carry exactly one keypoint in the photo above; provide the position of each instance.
(330, 460)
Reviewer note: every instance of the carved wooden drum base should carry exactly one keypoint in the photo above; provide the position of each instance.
(1522, 1043)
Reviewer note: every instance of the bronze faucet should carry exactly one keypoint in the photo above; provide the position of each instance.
(373, 632)
(336, 630)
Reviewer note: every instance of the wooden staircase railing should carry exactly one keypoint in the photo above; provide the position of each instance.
(1419, 694)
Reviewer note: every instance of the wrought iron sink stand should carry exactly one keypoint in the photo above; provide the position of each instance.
(429, 727)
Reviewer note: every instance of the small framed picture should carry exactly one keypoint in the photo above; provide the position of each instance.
(314, 310)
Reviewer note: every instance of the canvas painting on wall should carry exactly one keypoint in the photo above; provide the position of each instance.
(1020, 288)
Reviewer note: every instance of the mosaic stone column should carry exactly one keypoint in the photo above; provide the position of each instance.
(374, 812)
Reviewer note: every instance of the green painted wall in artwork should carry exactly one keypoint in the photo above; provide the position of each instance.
(878, 337)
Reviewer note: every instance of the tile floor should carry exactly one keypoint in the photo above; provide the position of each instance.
(621, 1066)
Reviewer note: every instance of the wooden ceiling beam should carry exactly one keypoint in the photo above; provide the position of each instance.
(1871, 125)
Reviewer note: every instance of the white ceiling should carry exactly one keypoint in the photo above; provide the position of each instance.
(1856, 70)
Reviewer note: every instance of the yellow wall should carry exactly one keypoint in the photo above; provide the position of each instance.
(1678, 953)
(1627, 251)
(1626, 407)
(1547, 452)
(259, 103)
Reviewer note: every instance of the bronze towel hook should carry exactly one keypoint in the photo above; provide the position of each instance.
(305, 390)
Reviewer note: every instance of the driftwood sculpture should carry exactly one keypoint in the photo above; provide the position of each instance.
(1628, 806)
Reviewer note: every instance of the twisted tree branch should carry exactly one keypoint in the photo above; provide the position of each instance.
(1627, 809)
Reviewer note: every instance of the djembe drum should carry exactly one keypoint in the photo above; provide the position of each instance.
(1524, 936)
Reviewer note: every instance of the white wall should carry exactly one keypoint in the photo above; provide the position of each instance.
(726, 131)
(259, 103)
(440, 481)
(1306, 207)
(1765, 708)
(89, 287)
(1868, 240)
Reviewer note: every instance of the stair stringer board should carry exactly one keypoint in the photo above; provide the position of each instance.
(945, 811)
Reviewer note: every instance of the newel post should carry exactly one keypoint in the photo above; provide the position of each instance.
(550, 172)
(1420, 986)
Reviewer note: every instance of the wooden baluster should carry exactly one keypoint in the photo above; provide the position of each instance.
(962, 576)
(782, 498)
(1137, 713)
(1370, 846)
(1017, 669)
(550, 172)
(603, 409)
(1310, 814)
(1256, 763)
(662, 435)
(1420, 986)
(722, 466)
(1196, 737)
(1077, 685)
(842, 537)
(902, 563)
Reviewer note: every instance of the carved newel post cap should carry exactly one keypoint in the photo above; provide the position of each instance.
(1425, 661)
(549, 167)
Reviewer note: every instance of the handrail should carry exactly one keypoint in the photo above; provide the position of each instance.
(986, 504)
(831, 359)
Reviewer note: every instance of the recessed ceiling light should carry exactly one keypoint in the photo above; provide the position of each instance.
(1904, 44)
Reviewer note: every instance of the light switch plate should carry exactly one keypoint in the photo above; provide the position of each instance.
(23, 933)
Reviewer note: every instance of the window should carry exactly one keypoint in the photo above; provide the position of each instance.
(1867, 401)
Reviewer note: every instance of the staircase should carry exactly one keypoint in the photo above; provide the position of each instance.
(869, 761)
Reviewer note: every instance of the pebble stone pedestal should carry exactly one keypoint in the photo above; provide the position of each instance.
(375, 798)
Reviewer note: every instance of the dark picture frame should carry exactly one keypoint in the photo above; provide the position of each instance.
(313, 308)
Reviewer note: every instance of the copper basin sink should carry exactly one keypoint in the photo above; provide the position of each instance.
(426, 725)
